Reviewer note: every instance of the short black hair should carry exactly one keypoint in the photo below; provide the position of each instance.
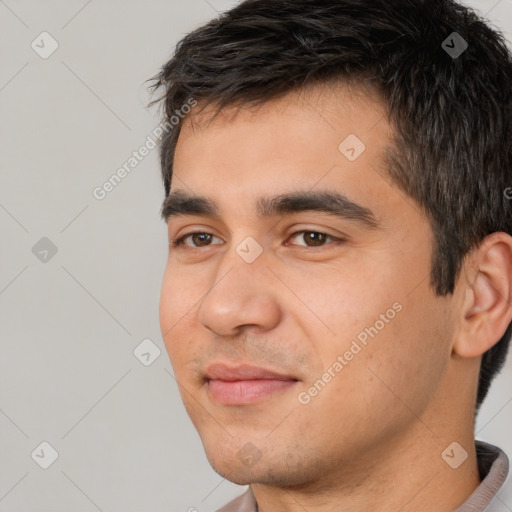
(450, 105)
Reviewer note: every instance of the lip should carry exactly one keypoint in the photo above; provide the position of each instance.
(244, 384)
(222, 371)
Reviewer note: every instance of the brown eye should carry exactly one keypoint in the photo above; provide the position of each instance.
(201, 239)
(195, 240)
(312, 238)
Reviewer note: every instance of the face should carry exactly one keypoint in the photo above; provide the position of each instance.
(294, 319)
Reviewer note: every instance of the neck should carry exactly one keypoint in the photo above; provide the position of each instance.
(411, 476)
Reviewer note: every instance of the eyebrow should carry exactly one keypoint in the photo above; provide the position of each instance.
(180, 203)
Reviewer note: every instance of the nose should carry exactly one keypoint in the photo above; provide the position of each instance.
(242, 296)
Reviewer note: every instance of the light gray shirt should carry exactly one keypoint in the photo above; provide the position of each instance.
(493, 467)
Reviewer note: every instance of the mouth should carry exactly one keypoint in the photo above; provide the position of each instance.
(244, 384)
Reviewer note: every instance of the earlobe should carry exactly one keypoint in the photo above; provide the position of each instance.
(486, 310)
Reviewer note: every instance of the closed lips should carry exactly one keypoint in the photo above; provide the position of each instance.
(221, 371)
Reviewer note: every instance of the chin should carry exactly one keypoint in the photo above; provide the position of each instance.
(236, 472)
(239, 478)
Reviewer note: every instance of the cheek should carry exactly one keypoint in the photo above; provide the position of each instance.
(338, 301)
(180, 291)
(375, 309)
(167, 307)
(179, 299)
(406, 360)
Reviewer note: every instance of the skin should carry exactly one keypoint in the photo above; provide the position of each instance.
(372, 439)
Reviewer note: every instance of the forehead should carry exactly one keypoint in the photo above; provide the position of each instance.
(325, 137)
(323, 115)
(318, 99)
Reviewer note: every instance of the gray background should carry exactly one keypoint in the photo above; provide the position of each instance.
(69, 325)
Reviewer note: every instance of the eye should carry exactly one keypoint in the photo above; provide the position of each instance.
(202, 239)
(313, 238)
(198, 239)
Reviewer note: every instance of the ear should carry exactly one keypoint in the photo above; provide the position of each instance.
(486, 312)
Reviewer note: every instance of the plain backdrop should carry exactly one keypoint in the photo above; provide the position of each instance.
(80, 277)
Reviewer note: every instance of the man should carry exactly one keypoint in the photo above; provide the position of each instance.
(337, 297)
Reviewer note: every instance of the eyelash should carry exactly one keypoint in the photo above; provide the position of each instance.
(179, 242)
